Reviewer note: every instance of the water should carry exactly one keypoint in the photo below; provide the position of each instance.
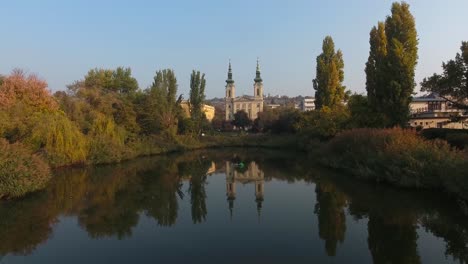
(205, 207)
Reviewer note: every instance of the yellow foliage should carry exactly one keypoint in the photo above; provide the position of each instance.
(59, 139)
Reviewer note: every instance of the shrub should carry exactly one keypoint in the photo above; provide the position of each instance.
(21, 171)
(399, 157)
(456, 137)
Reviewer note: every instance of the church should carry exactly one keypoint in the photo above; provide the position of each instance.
(252, 105)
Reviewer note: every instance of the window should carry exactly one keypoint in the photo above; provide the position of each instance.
(238, 106)
(258, 92)
(258, 106)
(229, 93)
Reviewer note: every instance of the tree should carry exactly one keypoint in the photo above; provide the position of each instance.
(390, 67)
(329, 90)
(374, 66)
(197, 97)
(361, 114)
(27, 90)
(452, 84)
(160, 108)
(119, 80)
(241, 119)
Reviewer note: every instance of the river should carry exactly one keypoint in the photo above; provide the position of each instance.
(228, 206)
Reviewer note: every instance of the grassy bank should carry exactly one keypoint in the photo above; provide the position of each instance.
(399, 157)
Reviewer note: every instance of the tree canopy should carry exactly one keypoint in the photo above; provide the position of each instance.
(391, 64)
(329, 90)
(452, 83)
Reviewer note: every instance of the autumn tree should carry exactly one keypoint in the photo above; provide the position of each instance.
(391, 64)
(452, 84)
(28, 90)
(328, 83)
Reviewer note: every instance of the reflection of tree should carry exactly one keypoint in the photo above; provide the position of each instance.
(162, 187)
(331, 216)
(454, 231)
(24, 224)
(197, 171)
(392, 241)
(110, 208)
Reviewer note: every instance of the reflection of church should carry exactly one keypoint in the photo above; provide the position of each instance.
(249, 174)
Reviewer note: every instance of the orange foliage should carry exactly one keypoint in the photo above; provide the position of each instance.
(27, 89)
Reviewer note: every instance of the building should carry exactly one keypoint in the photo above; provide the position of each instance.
(433, 111)
(307, 104)
(207, 109)
(252, 105)
(272, 106)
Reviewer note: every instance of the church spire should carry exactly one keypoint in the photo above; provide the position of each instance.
(257, 75)
(229, 79)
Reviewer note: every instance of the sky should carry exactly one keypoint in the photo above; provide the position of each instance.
(62, 40)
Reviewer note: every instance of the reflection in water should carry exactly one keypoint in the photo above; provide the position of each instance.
(111, 201)
(331, 216)
(244, 174)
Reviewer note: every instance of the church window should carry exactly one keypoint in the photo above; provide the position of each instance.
(238, 106)
(258, 92)
(243, 106)
(229, 93)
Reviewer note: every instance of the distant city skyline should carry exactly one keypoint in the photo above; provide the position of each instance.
(61, 40)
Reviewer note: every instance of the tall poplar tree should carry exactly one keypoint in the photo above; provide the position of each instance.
(197, 97)
(329, 90)
(390, 68)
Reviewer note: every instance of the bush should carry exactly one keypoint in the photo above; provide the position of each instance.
(322, 124)
(399, 157)
(456, 137)
(21, 171)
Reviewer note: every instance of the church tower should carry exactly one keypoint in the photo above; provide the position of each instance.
(258, 85)
(230, 94)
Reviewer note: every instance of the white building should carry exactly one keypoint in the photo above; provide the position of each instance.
(307, 104)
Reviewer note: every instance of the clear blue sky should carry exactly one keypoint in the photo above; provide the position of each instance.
(62, 40)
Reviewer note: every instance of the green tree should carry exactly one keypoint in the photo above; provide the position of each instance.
(119, 80)
(375, 66)
(390, 68)
(241, 119)
(197, 98)
(160, 108)
(329, 90)
(452, 84)
(361, 113)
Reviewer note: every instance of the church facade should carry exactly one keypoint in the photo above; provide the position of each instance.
(252, 105)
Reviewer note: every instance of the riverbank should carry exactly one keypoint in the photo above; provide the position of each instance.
(398, 157)
(23, 171)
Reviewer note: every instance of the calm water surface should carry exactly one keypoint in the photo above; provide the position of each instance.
(228, 206)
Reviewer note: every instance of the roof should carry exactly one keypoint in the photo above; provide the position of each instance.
(432, 97)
